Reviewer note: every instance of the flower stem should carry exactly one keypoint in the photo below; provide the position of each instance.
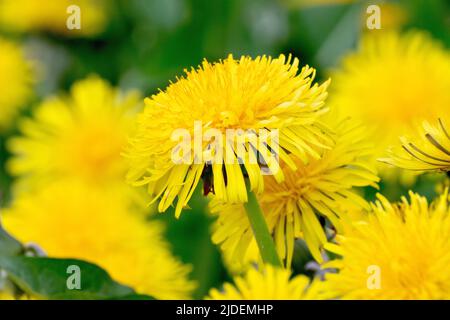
(261, 231)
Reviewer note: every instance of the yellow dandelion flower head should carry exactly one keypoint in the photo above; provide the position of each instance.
(69, 219)
(400, 251)
(53, 16)
(16, 78)
(269, 284)
(268, 94)
(428, 150)
(392, 81)
(322, 188)
(81, 135)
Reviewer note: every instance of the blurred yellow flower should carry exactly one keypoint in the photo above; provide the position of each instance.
(392, 81)
(392, 14)
(293, 209)
(16, 78)
(81, 135)
(245, 94)
(427, 151)
(313, 3)
(400, 251)
(70, 219)
(7, 295)
(35, 15)
(269, 284)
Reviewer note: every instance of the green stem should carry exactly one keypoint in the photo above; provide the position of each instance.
(261, 231)
(447, 181)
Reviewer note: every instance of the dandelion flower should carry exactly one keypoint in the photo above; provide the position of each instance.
(81, 135)
(52, 16)
(322, 188)
(247, 94)
(400, 251)
(269, 284)
(391, 82)
(69, 219)
(16, 78)
(428, 151)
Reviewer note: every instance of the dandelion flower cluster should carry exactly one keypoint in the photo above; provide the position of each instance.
(392, 81)
(408, 243)
(81, 135)
(247, 94)
(269, 284)
(70, 219)
(281, 167)
(35, 15)
(321, 188)
(16, 79)
(427, 151)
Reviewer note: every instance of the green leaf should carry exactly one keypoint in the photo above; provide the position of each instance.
(9, 245)
(49, 278)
